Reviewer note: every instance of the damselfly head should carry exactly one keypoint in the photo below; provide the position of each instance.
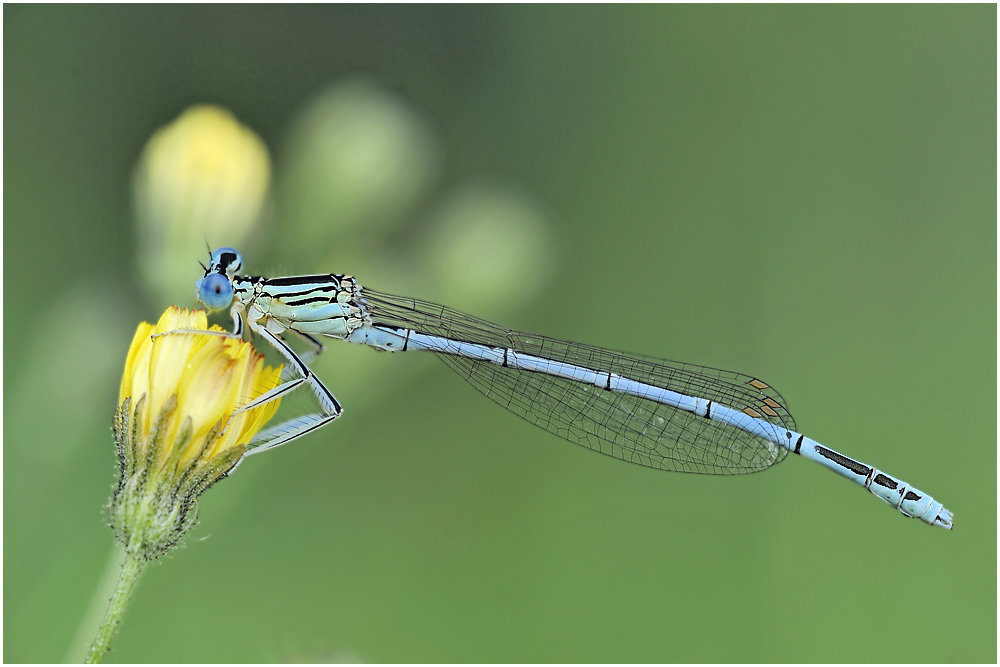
(215, 290)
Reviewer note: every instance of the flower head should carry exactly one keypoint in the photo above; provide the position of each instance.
(178, 427)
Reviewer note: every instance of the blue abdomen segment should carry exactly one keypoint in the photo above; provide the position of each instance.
(909, 500)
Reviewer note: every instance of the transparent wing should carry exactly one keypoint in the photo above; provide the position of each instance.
(626, 427)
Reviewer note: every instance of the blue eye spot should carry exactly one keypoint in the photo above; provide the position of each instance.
(215, 291)
(226, 260)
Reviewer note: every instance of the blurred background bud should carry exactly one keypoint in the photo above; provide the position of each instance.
(486, 249)
(201, 179)
(358, 161)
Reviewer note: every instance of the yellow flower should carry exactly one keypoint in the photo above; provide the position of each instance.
(177, 427)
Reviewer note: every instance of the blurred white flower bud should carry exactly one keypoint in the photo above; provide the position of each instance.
(201, 179)
(358, 161)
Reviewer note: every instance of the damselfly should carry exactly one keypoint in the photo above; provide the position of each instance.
(657, 413)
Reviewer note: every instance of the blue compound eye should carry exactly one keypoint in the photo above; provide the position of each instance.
(215, 291)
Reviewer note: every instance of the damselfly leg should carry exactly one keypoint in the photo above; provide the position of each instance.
(298, 374)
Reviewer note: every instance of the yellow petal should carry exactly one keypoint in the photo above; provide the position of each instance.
(169, 356)
(209, 390)
(138, 356)
(266, 378)
(244, 426)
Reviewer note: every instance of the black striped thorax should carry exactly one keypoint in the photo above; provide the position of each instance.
(299, 291)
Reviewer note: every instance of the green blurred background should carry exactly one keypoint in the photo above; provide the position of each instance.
(806, 194)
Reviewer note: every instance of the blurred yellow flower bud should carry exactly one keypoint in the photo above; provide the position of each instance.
(177, 428)
(202, 178)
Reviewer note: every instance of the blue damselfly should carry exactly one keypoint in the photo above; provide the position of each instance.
(653, 412)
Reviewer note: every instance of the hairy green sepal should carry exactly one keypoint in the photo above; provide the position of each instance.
(156, 500)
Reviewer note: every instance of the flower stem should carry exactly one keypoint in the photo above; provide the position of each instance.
(132, 567)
